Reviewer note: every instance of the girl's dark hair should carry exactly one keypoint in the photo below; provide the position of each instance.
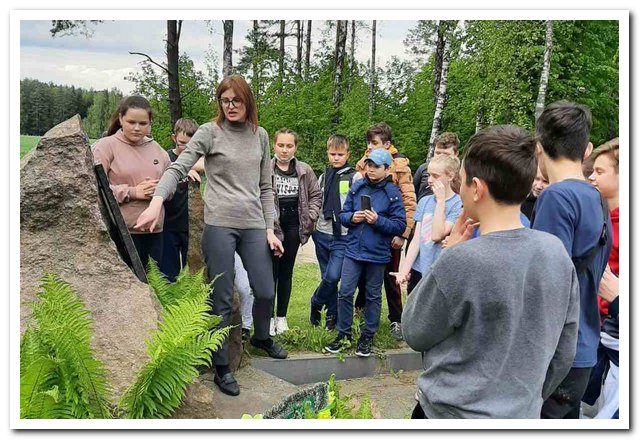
(135, 101)
(242, 89)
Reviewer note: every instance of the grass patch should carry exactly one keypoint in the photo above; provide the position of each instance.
(302, 337)
(27, 143)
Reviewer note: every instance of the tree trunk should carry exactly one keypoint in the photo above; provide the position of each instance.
(254, 63)
(372, 84)
(352, 59)
(227, 64)
(299, 32)
(338, 58)
(479, 116)
(437, 68)
(308, 54)
(437, 117)
(281, 60)
(173, 75)
(546, 67)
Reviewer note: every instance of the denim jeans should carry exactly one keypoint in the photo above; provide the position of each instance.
(351, 271)
(330, 253)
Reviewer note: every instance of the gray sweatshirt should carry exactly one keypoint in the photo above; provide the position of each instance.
(497, 320)
(238, 193)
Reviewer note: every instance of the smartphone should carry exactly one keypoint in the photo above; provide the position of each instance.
(365, 203)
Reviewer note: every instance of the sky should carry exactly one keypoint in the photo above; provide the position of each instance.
(103, 60)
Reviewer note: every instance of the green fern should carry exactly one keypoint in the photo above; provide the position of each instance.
(364, 411)
(59, 376)
(183, 341)
(185, 286)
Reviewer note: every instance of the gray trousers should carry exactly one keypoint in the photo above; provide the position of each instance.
(218, 248)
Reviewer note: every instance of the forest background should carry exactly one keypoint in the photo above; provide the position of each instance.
(464, 75)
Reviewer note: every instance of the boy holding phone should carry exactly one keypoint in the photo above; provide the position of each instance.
(368, 248)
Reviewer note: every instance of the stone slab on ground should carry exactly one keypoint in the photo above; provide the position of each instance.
(259, 391)
(391, 395)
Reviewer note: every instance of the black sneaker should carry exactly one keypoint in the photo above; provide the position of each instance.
(314, 315)
(272, 348)
(364, 346)
(246, 333)
(330, 322)
(338, 344)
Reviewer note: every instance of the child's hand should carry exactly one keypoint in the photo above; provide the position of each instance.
(462, 230)
(194, 176)
(371, 216)
(358, 217)
(609, 285)
(401, 277)
(397, 242)
(438, 190)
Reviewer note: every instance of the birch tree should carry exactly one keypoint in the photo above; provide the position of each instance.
(372, 84)
(227, 63)
(437, 116)
(546, 68)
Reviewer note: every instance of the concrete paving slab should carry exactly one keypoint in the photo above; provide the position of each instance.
(313, 367)
(259, 391)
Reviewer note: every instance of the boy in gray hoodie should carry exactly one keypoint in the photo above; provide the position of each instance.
(496, 317)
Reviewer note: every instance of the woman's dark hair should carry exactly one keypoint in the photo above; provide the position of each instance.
(135, 101)
(238, 84)
(504, 157)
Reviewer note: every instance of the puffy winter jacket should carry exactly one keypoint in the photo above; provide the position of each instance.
(372, 243)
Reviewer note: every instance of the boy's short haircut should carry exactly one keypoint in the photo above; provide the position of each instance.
(338, 142)
(563, 130)
(450, 164)
(186, 126)
(504, 157)
(610, 148)
(448, 140)
(382, 130)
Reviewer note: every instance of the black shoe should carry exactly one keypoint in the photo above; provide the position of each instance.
(227, 384)
(364, 346)
(272, 348)
(246, 333)
(330, 322)
(338, 344)
(314, 315)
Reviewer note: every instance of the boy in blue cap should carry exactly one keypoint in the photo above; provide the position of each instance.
(371, 229)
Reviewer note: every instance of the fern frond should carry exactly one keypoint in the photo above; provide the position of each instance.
(63, 330)
(158, 282)
(364, 411)
(182, 342)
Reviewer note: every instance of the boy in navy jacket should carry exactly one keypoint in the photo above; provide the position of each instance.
(368, 247)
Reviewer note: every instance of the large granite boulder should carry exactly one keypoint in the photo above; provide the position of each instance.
(62, 231)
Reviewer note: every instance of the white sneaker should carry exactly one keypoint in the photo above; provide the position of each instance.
(272, 327)
(281, 324)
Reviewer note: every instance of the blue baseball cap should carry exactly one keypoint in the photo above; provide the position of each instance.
(380, 157)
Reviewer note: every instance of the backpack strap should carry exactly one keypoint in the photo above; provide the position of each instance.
(582, 263)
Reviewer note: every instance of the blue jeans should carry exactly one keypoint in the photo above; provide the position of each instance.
(330, 253)
(351, 270)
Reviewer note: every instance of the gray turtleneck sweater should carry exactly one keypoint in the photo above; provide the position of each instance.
(238, 192)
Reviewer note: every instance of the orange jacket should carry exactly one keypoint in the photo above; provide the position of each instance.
(403, 179)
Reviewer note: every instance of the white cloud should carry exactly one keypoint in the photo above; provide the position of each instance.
(103, 60)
